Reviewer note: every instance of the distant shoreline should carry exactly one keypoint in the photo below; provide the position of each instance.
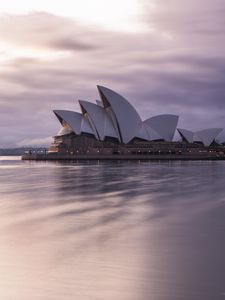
(19, 151)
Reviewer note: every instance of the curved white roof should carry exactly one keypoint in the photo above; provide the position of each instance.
(76, 121)
(142, 132)
(207, 136)
(72, 118)
(186, 135)
(64, 131)
(99, 102)
(86, 127)
(147, 133)
(127, 118)
(164, 125)
(99, 119)
(153, 135)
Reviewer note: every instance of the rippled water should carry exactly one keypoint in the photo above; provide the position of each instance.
(120, 230)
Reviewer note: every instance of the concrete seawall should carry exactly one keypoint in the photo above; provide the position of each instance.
(64, 157)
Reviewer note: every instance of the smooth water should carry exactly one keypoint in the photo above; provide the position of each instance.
(112, 230)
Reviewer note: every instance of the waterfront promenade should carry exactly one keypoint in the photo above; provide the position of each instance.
(72, 157)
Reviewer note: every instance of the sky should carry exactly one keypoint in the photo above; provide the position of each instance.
(163, 56)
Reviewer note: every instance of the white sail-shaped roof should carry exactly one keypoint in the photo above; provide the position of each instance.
(99, 102)
(142, 132)
(164, 125)
(64, 131)
(207, 136)
(86, 127)
(147, 133)
(127, 118)
(72, 118)
(153, 135)
(76, 121)
(99, 119)
(110, 130)
(186, 135)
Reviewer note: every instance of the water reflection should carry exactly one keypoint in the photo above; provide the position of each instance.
(113, 230)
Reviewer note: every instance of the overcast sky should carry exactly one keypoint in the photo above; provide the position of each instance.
(164, 56)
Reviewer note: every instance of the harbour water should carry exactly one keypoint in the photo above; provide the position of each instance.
(112, 230)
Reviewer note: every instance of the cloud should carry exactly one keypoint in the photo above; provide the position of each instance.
(69, 44)
(175, 66)
(40, 142)
(41, 30)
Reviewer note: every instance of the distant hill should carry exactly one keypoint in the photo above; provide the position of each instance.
(19, 151)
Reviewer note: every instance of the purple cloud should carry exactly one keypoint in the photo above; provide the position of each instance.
(177, 66)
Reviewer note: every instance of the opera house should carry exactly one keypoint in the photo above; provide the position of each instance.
(112, 126)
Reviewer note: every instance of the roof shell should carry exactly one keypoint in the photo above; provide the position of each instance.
(72, 118)
(164, 125)
(207, 136)
(142, 132)
(153, 135)
(86, 127)
(127, 118)
(186, 135)
(99, 102)
(64, 131)
(76, 121)
(99, 119)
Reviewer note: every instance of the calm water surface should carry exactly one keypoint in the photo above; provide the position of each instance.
(112, 231)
